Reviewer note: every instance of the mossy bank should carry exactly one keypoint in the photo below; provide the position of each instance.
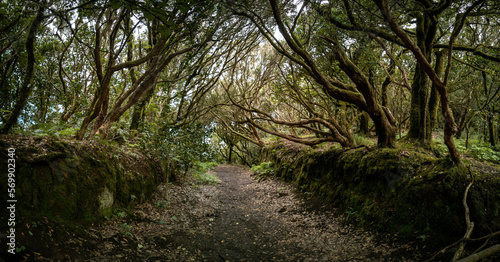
(80, 181)
(397, 190)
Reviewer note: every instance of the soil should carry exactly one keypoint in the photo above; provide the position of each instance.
(238, 219)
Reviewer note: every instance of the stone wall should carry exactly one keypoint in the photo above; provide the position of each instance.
(399, 191)
(79, 180)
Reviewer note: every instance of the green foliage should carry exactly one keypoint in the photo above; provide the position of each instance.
(263, 170)
(161, 204)
(207, 178)
(363, 140)
(204, 166)
(484, 152)
(349, 213)
(49, 129)
(201, 171)
(126, 229)
(477, 149)
(125, 226)
(422, 238)
(179, 143)
(121, 214)
(117, 214)
(20, 249)
(68, 132)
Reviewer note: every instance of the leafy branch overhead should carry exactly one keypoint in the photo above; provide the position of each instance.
(312, 72)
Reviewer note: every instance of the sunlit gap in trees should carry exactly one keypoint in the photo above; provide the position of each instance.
(298, 5)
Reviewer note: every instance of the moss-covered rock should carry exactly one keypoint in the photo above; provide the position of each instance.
(401, 191)
(79, 180)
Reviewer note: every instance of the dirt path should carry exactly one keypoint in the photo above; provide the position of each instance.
(239, 219)
(266, 221)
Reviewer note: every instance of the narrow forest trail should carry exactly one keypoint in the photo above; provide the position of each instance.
(239, 219)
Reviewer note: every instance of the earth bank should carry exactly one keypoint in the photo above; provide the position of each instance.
(79, 180)
(400, 191)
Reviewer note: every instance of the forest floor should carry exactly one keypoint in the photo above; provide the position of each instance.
(238, 219)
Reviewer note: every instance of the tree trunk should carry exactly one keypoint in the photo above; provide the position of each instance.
(364, 124)
(230, 154)
(381, 116)
(491, 129)
(434, 97)
(489, 113)
(386, 83)
(119, 109)
(27, 86)
(420, 115)
(139, 110)
(385, 127)
(418, 103)
(463, 118)
(136, 116)
(134, 94)
(450, 127)
(95, 107)
(98, 107)
(43, 107)
(72, 108)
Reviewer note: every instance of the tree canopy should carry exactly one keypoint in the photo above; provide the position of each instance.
(238, 74)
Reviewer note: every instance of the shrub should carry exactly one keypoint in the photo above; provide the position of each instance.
(263, 170)
(201, 171)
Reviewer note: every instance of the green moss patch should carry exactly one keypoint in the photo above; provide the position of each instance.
(401, 191)
(79, 180)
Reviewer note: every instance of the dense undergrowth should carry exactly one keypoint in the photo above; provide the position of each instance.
(263, 170)
(202, 172)
(473, 148)
(183, 144)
